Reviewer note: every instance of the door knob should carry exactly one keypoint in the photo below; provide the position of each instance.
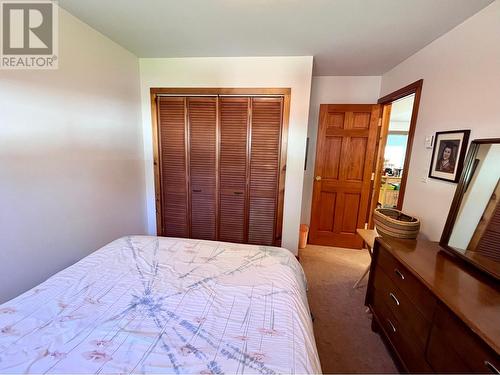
(318, 178)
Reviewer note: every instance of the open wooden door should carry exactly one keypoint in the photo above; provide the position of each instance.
(379, 161)
(344, 160)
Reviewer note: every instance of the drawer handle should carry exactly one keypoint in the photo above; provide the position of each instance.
(238, 193)
(491, 367)
(399, 273)
(196, 190)
(392, 325)
(394, 298)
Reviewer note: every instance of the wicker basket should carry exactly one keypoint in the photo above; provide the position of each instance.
(394, 223)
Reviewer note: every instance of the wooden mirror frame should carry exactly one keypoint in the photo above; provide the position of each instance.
(480, 262)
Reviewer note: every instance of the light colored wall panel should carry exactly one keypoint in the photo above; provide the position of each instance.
(71, 161)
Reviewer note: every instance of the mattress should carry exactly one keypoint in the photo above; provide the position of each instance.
(145, 304)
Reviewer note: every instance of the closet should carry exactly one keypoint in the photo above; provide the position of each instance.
(220, 165)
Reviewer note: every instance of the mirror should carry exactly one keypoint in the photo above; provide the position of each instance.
(472, 230)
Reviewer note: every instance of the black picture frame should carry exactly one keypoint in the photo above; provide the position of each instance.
(307, 152)
(454, 143)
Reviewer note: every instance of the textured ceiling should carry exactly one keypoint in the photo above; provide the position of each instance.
(346, 37)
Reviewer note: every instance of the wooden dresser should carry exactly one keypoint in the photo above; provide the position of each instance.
(435, 314)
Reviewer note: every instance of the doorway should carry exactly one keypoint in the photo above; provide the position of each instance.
(395, 140)
(362, 160)
(394, 147)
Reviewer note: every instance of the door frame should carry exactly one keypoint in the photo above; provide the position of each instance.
(386, 101)
(155, 92)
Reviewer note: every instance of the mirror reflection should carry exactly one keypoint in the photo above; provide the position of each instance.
(477, 226)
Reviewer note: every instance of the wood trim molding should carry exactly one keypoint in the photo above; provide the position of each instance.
(192, 91)
(219, 91)
(282, 169)
(412, 88)
(156, 162)
(248, 175)
(217, 169)
(187, 158)
(379, 160)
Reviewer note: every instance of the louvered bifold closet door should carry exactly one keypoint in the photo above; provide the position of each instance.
(202, 124)
(172, 153)
(266, 122)
(233, 169)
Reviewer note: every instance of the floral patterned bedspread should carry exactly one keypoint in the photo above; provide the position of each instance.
(164, 305)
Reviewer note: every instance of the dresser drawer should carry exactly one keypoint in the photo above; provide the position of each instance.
(402, 308)
(425, 302)
(454, 348)
(407, 348)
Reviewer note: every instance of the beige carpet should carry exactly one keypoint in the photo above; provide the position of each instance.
(346, 343)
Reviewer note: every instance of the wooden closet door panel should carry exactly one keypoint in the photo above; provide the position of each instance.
(264, 169)
(233, 168)
(202, 120)
(173, 173)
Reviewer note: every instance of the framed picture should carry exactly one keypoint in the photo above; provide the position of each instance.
(448, 155)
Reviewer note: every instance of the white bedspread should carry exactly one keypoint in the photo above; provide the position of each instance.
(164, 305)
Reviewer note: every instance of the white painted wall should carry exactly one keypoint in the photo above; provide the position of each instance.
(71, 161)
(461, 72)
(292, 72)
(332, 90)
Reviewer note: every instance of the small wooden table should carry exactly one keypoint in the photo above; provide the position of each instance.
(368, 236)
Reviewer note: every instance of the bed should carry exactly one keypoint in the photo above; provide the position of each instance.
(145, 304)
